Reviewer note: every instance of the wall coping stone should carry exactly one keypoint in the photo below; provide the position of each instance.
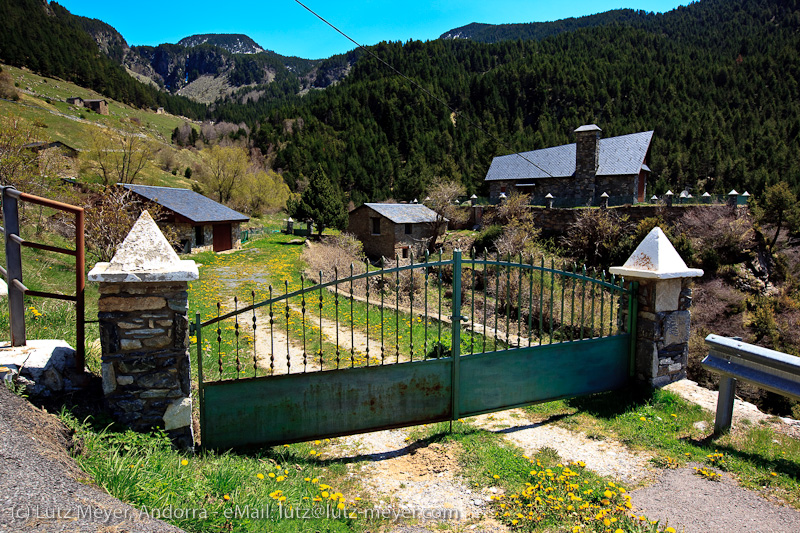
(656, 258)
(145, 256)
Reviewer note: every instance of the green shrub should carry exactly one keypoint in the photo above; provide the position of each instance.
(485, 240)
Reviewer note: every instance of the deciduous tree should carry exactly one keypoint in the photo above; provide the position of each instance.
(120, 155)
(442, 197)
(225, 168)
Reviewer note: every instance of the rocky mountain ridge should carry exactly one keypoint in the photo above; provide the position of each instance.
(235, 43)
(209, 68)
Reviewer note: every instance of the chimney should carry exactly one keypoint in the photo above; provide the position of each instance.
(587, 153)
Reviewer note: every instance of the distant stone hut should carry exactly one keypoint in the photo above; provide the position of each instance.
(98, 106)
(389, 230)
(578, 173)
(75, 100)
(201, 223)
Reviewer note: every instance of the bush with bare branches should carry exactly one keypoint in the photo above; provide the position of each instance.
(110, 214)
(595, 234)
(719, 239)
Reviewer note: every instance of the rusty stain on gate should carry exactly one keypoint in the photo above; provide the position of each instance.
(473, 335)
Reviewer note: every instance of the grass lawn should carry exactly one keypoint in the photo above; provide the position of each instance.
(679, 432)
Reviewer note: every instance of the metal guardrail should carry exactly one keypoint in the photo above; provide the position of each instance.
(13, 271)
(736, 360)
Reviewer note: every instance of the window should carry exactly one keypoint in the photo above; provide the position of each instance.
(376, 226)
(408, 229)
(405, 252)
(199, 236)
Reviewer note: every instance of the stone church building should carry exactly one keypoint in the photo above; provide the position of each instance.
(579, 173)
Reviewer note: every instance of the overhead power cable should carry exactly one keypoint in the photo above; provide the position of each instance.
(419, 86)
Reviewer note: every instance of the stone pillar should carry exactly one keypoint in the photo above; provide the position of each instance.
(604, 201)
(733, 199)
(144, 333)
(549, 198)
(664, 299)
(668, 196)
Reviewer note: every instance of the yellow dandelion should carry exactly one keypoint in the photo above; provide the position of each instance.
(260, 475)
(184, 462)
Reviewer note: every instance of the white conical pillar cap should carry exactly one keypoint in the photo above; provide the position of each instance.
(655, 258)
(146, 256)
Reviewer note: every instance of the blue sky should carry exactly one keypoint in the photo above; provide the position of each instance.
(288, 29)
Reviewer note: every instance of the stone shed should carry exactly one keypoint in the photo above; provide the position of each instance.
(97, 105)
(389, 230)
(579, 173)
(201, 223)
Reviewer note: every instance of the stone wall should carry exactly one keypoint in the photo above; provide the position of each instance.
(416, 241)
(571, 190)
(145, 362)
(555, 222)
(360, 225)
(186, 232)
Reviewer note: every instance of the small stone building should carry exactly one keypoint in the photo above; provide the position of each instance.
(201, 223)
(75, 100)
(55, 158)
(389, 230)
(98, 106)
(578, 173)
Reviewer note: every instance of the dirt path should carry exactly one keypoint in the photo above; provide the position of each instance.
(416, 478)
(276, 351)
(408, 475)
(606, 457)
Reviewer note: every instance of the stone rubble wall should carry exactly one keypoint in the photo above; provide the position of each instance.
(145, 363)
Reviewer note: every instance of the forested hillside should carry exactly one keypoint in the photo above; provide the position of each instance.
(493, 33)
(50, 41)
(717, 81)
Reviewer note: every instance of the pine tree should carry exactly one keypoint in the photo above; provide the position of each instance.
(320, 203)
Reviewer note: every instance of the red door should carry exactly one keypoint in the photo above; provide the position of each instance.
(222, 237)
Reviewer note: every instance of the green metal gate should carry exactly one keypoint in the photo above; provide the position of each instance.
(437, 340)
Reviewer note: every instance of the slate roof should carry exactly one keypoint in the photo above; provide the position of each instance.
(41, 145)
(404, 213)
(188, 203)
(623, 155)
